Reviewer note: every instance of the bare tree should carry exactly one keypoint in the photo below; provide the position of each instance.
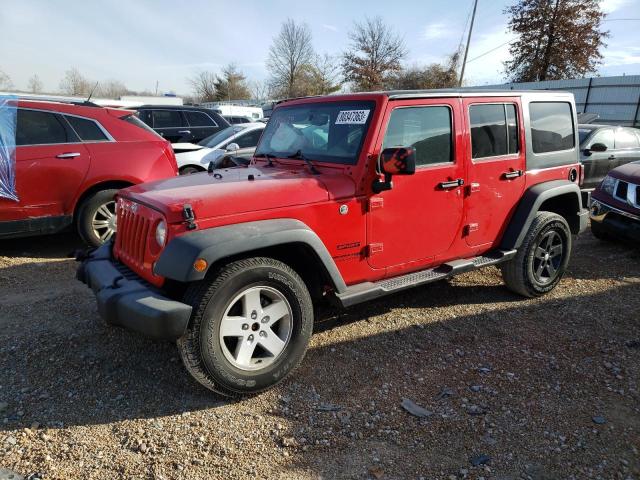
(112, 89)
(327, 74)
(74, 83)
(34, 85)
(374, 53)
(556, 39)
(259, 90)
(204, 86)
(5, 81)
(436, 75)
(232, 85)
(290, 51)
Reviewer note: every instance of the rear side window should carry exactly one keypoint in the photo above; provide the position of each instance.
(39, 128)
(494, 130)
(249, 139)
(87, 130)
(551, 126)
(626, 138)
(427, 129)
(199, 119)
(167, 119)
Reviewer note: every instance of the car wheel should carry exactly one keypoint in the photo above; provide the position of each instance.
(189, 170)
(96, 219)
(541, 259)
(250, 326)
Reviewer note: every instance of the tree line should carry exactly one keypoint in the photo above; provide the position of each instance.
(554, 39)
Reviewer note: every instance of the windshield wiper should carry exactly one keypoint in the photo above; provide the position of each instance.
(300, 156)
(268, 156)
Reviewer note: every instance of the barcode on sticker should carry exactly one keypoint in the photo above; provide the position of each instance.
(352, 117)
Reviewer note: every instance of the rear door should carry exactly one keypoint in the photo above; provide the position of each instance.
(598, 164)
(496, 168)
(418, 221)
(171, 125)
(248, 142)
(51, 163)
(201, 125)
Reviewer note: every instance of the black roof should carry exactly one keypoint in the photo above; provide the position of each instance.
(172, 107)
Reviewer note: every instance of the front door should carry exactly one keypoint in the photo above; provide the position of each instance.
(496, 169)
(171, 125)
(419, 219)
(597, 164)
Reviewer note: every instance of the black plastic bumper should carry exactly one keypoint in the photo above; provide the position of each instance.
(131, 303)
(615, 221)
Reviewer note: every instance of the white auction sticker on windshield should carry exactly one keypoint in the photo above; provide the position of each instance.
(352, 117)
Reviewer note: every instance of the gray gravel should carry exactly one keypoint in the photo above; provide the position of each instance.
(515, 388)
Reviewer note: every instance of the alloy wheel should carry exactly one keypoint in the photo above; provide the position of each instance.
(104, 221)
(548, 257)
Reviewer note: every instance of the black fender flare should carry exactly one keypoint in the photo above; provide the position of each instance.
(214, 244)
(530, 204)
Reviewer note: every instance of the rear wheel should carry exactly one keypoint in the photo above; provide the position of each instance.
(188, 170)
(250, 326)
(96, 218)
(541, 259)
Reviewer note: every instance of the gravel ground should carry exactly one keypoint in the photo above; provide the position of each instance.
(508, 388)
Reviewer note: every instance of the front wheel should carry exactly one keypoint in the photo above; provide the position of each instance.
(541, 259)
(250, 327)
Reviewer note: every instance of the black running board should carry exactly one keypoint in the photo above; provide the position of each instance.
(365, 291)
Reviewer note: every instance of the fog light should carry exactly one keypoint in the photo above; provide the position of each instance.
(200, 265)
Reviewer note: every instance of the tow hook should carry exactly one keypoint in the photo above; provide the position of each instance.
(189, 217)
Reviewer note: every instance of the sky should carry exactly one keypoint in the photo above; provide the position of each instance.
(141, 42)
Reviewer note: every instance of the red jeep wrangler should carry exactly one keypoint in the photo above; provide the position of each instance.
(348, 198)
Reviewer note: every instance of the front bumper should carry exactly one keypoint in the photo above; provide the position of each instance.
(131, 303)
(615, 221)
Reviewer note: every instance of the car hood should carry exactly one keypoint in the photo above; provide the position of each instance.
(240, 190)
(629, 172)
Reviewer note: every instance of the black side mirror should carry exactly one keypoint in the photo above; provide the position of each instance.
(394, 161)
(598, 147)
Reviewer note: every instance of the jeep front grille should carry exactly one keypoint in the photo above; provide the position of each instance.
(131, 238)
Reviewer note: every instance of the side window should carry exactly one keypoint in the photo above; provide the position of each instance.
(551, 126)
(626, 138)
(249, 139)
(199, 119)
(603, 136)
(145, 116)
(167, 119)
(494, 130)
(87, 130)
(427, 129)
(39, 128)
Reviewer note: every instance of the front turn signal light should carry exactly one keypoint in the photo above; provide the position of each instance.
(200, 265)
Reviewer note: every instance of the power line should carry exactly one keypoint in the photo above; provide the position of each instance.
(489, 51)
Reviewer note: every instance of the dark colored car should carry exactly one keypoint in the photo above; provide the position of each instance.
(237, 119)
(182, 124)
(605, 147)
(615, 204)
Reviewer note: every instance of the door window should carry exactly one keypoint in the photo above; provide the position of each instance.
(427, 129)
(249, 139)
(626, 139)
(551, 126)
(604, 136)
(87, 130)
(494, 130)
(199, 119)
(39, 128)
(167, 119)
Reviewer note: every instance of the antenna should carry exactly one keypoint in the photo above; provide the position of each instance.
(466, 50)
(91, 94)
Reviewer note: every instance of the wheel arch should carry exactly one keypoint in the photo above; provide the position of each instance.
(106, 185)
(558, 196)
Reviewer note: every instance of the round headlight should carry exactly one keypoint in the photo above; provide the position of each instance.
(161, 233)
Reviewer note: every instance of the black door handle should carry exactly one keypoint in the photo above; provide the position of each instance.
(451, 184)
(513, 174)
(612, 157)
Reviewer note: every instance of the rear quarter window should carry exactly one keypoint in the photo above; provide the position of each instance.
(551, 126)
(87, 130)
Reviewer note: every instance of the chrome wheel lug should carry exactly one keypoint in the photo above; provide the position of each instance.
(245, 326)
(263, 333)
(266, 319)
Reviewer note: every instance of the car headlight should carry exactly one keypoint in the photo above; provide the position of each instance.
(161, 233)
(608, 184)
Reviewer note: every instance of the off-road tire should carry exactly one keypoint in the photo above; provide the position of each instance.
(86, 212)
(518, 273)
(189, 170)
(200, 348)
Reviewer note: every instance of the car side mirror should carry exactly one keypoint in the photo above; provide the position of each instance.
(232, 147)
(598, 147)
(394, 161)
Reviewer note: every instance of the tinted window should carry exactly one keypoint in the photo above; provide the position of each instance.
(427, 129)
(133, 120)
(603, 136)
(145, 116)
(167, 119)
(250, 139)
(583, 133)
(551, 126)
(199, 119)
(494, 130)
(39, 128)
(87, 130)
(626, 138)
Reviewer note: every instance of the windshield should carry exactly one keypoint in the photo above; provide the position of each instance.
(327, 132)
(213, 140)
(583, 133)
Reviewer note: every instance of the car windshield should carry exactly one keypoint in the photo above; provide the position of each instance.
(327, 132)
(583, 133)
(217, 138)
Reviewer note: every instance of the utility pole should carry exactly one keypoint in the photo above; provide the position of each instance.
(156, 88)
(466, 49)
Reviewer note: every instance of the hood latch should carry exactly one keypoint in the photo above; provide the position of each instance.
(189, 217)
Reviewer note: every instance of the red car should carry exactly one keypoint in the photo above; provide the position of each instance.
(348, 198)
(71, 159)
